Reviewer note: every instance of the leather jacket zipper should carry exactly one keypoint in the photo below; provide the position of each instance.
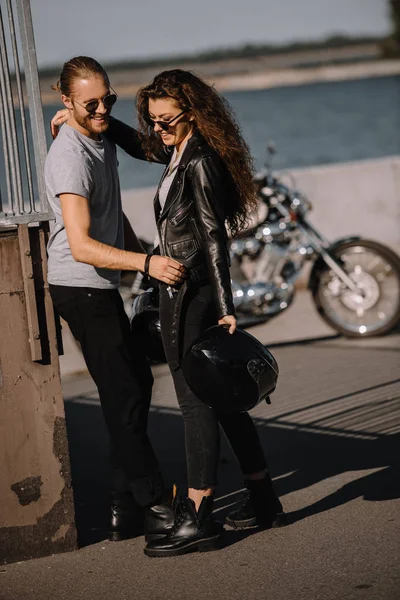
(181, 214)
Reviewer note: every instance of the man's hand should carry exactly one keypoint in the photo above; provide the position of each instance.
(228, 321)
(59, 118)
(166, 270)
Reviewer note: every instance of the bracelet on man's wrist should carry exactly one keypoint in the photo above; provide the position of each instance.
(147, 264)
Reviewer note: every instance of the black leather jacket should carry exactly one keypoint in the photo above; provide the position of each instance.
(191, 226)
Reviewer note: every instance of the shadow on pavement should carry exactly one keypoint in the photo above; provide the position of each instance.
(309, 457)
(342, 434)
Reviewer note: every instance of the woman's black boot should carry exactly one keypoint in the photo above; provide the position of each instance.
(191, 531)
(262, 507)
(158, 521)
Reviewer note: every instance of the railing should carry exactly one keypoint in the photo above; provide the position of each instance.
(23, 150)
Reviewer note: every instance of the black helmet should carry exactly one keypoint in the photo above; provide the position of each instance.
(230, 372)
(145, 325)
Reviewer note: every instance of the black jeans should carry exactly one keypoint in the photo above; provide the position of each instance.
(202, 438)
(124, 380)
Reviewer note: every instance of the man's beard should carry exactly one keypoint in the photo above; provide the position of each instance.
(91, 125)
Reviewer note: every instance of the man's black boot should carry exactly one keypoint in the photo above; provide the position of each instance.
(127, 517)
(191, 530)
(262, 507)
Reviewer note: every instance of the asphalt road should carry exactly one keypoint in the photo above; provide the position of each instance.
(331, 436)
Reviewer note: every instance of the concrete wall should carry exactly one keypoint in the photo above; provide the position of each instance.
(36, 503)
(355, 198)
(360, 197)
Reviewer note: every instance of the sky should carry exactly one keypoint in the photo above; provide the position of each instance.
(110, 30)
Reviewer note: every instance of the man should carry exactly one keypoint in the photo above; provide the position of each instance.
(86, 253)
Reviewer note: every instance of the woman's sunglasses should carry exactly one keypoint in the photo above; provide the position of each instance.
(108, 100)
(165, 125)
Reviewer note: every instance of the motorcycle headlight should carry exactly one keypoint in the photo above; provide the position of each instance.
(267, 191)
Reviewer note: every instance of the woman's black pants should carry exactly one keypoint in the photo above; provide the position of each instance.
(202, 437)
(124, 380)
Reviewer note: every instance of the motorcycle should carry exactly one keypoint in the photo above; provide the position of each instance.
(354, 282)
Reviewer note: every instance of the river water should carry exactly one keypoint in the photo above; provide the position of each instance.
(314, 124)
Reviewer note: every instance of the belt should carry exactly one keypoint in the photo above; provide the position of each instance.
(195, 276)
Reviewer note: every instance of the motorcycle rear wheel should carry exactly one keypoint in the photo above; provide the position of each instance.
(376, 271)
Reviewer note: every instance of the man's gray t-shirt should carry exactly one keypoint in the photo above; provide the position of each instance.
(79, 165)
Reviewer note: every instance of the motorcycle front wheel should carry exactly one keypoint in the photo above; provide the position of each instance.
(373, 310)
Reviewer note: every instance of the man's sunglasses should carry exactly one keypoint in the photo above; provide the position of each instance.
(165, 125)
(108, 100)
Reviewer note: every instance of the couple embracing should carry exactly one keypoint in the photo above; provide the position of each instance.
(207, 184)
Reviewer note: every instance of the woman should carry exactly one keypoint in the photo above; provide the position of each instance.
(207, 183)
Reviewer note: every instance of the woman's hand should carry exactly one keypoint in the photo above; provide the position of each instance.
(59, 118)
(228, 321)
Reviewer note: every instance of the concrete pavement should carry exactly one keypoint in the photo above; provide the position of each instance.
(331, 437)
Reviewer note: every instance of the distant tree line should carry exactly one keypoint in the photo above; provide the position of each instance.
(391, 45)
(245, 51)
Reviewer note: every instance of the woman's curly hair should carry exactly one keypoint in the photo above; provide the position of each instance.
(214, 119)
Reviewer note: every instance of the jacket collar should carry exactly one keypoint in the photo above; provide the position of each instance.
(195, 141)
